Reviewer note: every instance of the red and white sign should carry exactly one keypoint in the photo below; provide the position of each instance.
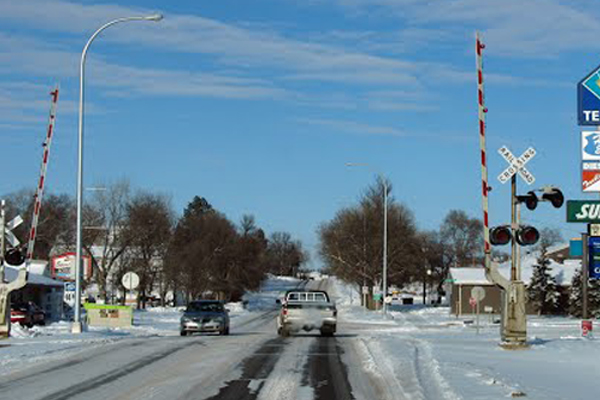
(473, 301)
(590, 176)
(586, 328)
(63, 267)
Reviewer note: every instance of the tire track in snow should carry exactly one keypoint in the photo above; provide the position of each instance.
(81, 357)
(408, 372)
(255, 370)
(117, 373)
(284, 382)
(326, 372)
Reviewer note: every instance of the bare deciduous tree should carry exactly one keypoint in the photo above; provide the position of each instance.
(55, 223)
(284, 255)
(352, 243)
(104, 238)
(148, 231)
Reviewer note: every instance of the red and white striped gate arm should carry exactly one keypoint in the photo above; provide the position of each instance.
(39, 192)
(484, 174)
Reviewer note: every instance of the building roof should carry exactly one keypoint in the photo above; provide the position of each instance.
(476, 276)
(33, 278)
(469, 276)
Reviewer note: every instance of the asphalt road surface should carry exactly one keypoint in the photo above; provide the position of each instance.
(252, 363)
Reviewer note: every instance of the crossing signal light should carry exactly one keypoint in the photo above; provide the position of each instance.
(530, 200)
(500, 235)
(527, 235)
(14, 257)
(554, 196)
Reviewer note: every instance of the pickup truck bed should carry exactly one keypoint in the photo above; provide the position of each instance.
(307, 310)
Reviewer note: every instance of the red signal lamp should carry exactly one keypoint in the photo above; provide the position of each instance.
(527, 235)
(500, 235)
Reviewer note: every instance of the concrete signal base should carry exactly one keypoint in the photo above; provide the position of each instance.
(514, 326)
(77, 327)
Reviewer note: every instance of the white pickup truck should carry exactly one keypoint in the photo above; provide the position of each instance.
(307, 310)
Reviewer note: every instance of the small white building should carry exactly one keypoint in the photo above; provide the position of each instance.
(462, 280)
(40, 289)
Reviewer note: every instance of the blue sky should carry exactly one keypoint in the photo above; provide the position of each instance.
(257, 105)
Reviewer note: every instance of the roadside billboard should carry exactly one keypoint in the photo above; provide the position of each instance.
(63, 267)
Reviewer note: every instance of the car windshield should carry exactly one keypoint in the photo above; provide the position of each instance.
(205, 307)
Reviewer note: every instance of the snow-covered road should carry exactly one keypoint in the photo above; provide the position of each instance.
(418, 353)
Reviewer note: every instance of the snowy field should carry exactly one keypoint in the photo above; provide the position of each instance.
(426, 353)
(55, 341)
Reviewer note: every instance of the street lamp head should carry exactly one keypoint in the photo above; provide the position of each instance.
(155, 17)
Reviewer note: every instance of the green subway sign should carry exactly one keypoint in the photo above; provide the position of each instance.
(583, 211)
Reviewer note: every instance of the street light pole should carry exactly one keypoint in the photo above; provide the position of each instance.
(385, 232)
(76, 328)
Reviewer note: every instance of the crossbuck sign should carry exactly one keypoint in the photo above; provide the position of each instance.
(10, 237)
(516, 165)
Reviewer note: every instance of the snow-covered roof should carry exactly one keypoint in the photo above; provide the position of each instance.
(558, 247)
(476, 276)
(469, 276)
(10, 274)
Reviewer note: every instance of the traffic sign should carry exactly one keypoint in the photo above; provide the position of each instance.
(586, 327)
(516, 164)
(130, 280)
(583, 211)
(588, 95)
(473, 301)
(594, 260)
(69, 286)
(478, 293)
(365, 290)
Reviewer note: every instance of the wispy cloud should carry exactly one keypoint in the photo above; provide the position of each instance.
(344, 126)
(242, 61)
(357, 128)
(532, 28)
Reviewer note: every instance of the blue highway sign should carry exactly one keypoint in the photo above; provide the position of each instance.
(588, 94)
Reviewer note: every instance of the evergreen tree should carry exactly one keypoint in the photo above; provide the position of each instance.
(594, 298)
(543, 290)
(576, 297)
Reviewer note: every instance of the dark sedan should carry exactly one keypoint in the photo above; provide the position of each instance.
(205, 316)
